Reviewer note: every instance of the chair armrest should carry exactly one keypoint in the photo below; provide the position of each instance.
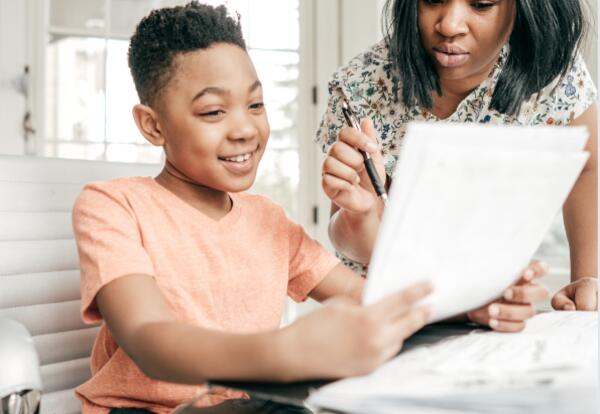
(19, 363)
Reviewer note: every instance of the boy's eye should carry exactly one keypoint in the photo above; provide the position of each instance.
(257, 106)
(212, 113)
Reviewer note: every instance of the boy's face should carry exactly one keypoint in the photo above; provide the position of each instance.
(213, 119)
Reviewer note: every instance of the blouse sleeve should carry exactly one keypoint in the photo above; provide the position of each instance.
(566, 98)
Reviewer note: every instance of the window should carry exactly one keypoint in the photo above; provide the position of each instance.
(88, 90)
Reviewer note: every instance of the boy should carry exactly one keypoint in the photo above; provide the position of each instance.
(189, 274)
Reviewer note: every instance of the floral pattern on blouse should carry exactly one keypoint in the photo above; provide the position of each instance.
(370, 85)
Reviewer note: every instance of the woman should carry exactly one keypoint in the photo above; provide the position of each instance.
(485, 61)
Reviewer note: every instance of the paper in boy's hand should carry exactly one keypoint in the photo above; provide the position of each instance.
(468, 207)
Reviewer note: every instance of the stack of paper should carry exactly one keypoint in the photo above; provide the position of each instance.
(468, 207)
(551, 367)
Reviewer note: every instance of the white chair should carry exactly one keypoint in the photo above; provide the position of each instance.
(39, 275)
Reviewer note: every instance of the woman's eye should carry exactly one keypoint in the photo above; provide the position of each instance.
(481, 5)
(433, 1)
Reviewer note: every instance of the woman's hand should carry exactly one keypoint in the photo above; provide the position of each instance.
(345, 179)
(509, 313)
(344, 338)
(579, 295)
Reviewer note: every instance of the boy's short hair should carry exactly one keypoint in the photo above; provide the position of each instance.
(168, 32)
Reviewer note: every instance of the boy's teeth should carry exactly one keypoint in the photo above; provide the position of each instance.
(238, 158)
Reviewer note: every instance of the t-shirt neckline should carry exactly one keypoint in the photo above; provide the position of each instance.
(226, 220)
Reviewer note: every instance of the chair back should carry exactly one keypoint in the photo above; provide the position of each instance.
(39, 266)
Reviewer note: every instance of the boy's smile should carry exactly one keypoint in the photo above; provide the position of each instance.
(212, 120)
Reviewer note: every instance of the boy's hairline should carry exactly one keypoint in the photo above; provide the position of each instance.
(170, 74)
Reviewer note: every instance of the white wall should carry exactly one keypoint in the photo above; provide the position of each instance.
(13, 57)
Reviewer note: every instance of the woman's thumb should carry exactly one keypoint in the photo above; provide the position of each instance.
(366, 124)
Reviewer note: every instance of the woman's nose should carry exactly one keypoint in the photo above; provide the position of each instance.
(452, 21)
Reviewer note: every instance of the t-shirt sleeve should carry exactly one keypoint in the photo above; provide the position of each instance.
(309, 262)
(108, 242)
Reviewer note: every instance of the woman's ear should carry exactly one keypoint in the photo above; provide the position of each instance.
(146, 120)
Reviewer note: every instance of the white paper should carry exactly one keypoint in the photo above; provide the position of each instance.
(558, 351)
(467, 211)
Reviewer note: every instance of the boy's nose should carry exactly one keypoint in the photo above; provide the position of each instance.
(452, 20)
(243, 128)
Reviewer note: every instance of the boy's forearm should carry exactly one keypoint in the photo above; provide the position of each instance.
(186, 354)
(354, 235)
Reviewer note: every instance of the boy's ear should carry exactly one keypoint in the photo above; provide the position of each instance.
(146, 120)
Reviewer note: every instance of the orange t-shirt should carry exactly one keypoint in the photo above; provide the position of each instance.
(231, 275)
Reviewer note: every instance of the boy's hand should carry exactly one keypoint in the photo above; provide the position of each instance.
(579, 295)
(509, 313)
(344, 338)
(345, 179)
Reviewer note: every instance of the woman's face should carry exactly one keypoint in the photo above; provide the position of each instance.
(464, 37)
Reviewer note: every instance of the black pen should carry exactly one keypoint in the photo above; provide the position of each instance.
(353, 122)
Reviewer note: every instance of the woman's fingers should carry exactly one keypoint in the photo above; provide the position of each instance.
(338, 169)
(503, 317)
(526, 293)
(360, 140)
(510, 312)
(535, 270)
(347, 155)
(506, 326)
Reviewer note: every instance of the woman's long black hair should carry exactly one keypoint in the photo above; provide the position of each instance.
(543, 42)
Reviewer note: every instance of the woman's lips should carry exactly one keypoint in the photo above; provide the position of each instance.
(448, 59)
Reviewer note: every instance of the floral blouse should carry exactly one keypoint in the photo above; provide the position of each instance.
(369, 84)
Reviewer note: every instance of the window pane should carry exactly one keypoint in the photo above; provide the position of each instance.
(554, 250)
(75, 89)
(126, 14)
(278, 72)
(266, 32)
(75, 151)
(120, 96)
(278, 176)
(81, 16)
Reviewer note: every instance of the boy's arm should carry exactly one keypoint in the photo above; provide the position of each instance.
(340, 339)
(341, 281)
(140, 321)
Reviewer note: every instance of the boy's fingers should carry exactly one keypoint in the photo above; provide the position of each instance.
(397, 303)
(561, 301)
(527, 293)
(586, 299)
(412, 321)
(510, 312)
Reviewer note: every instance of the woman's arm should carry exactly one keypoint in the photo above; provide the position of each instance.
(356, 209)
(580, 217)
